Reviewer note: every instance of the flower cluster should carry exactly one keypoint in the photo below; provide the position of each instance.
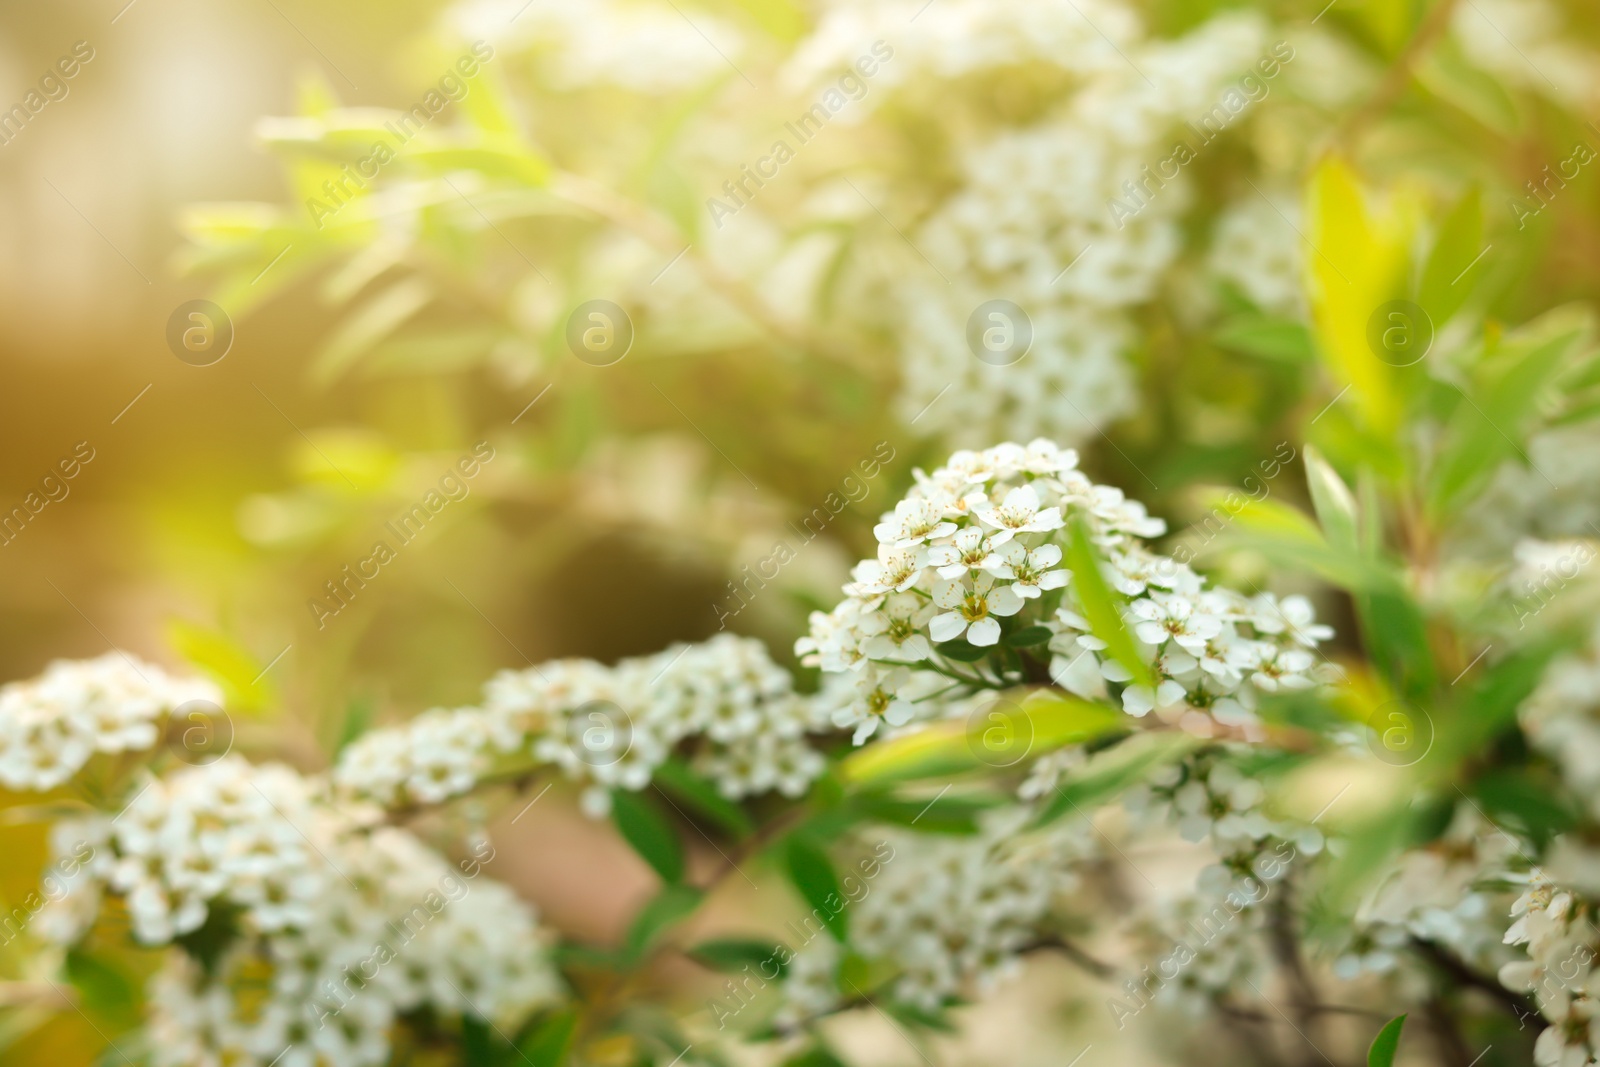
(322, 925)
(1441, 893)
(1202, 949)
(1211, 799)
(970, 578)
(52, 725)
(724, 701)
(1557, 929)
(1562, 720)
(948, 914)
(1058, 213)
(644, 48)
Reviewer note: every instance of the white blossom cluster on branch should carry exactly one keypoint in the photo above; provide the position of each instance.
(53, 725)
(948, 915)
(299, 930)
(976, 552)
(606, 728)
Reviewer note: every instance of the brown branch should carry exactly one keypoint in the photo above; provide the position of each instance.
(1056, 943)
(1453, 1048)
(1286, 949)
(1398, 76)
(1519, 1005)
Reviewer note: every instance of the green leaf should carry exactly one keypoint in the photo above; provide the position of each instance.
(1358, 265)
(1395, 633)
(1102, 606)
(104, 990)
(694, 792)
(1279, 340)
(1289, 538)
(1334, 503)
(1028, 636)
(1490, 706)
(371, 323)
(1037, 723)
(917, 1018)
(1112, 771)
(813, 875)
(477, 1044)
(1490, 422)
(943, 814)
(1454, 264)
(494, 157)
(551, 1041)
(1516, 799)
(961, 651)
(816, 1056)
(1386, 1044)
(1370, 847)
(648, 831)
(358, 715)
(734, 954)
(226, 662)
(667, 907)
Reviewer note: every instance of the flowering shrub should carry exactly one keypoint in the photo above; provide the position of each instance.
(1314, 779)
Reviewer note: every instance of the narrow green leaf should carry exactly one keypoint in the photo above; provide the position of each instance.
(1033, 724)
(1289, 538)
(1491, 420)
(918, 1018)
(226, 662)
(673, 903)
(372, 322)
(1334, 503)
(734, 954)
(1455, 262)
(1386, 1044)
(477, 1044)
(551, 1041)
(961, 651)
(650, 834)
(105, 991)
(1101, 604)
(675, 779)
(813, 875)
(943, 814)
(816, 1056)
(1109, 773)
(1029, 636)
(1279, 340)
(1395, 633)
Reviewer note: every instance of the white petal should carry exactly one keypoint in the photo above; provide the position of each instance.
(984, 632)
(948, 627)
(1004, 601)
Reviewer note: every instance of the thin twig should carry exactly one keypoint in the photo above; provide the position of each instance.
(1398, 76)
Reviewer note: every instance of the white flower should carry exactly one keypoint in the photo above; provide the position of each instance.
(1285, 668)
(875, 699)
(967, 551)
(1221, 805)
(1030, 572)
(1018, 513)
(1573, 1039)
(1166, 615)
(896, 569)
(913, 521)
(971, 610)
(895, 630)
(1293, 614)
(1140, 700)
